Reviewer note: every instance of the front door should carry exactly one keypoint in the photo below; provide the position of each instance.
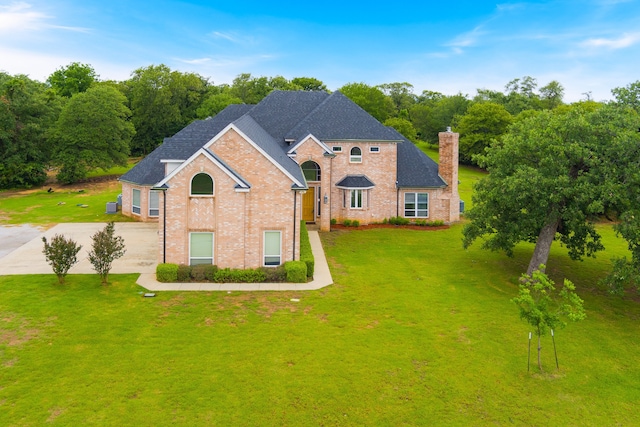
(308, 205)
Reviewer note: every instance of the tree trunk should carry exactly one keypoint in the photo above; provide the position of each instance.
(539, 349)
(543, 246)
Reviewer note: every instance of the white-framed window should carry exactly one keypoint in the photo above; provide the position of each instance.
(272, 249)
(355, 155)
(374, 149)
(135, 201)
(202, 185)
(200, 248)
(356, 199)
(337, 149)
(154, 203)
(416, 205)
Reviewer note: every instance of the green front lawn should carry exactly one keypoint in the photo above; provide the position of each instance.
(65, 204)
(415, 331)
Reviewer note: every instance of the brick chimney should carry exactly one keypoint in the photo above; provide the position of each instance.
(448, 170)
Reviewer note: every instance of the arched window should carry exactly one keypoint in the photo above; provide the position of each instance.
(202, 185)
(355, 155)
(311, 171)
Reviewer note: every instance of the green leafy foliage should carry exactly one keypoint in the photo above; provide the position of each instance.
(544, 307)
(61, 254)
(306, 254)
(369, 98)
(72, 79)
(403, 126)
(93, 131)
(296, 271)
(552, 176)
(479, 127)
(106, 247)
(167, 272)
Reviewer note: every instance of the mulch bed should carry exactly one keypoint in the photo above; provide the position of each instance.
(406, 227)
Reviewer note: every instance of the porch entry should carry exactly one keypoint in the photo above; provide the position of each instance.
(310, 202)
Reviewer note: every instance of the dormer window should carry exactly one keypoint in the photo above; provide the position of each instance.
(355, 156)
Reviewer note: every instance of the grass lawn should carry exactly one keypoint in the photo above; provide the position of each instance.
(415, 331)
(76, 203)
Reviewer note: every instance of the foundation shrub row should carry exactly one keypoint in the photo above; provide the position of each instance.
(168, 273)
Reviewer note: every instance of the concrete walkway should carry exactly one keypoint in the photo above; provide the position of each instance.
(321, 278)
(141, 241)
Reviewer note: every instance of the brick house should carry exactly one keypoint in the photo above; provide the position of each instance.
(231, 190)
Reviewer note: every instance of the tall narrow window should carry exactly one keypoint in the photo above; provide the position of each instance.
(135, 201)
(272, 248)
(200, 248)
(356, 199)
(355, 155)
(416, 205)
(202, 185)
(154, 203)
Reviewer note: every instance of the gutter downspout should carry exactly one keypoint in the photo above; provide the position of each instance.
(397, 200)
(295, 208)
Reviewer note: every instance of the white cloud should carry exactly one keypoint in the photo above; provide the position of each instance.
(196, 61)
(20, 17)
(622, 42)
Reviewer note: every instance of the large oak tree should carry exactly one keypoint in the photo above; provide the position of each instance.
(553, 175)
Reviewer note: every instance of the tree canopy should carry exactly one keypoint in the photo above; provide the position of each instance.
(552, 176)
(72, 79)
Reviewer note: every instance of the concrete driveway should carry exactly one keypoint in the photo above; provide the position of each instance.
(140, 239)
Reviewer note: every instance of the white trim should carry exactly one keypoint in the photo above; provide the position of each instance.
(215, 161)
(213, 186)
(313, 138)
(139, 206)
(376, 151)
(254, 145)
(351, 198)
(264, 249)
(339, 149)
(151, 190)
(404, 204)
(351, 155)
(213, 245)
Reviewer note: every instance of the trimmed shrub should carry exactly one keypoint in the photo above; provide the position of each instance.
(385, 221)
(296, 271)
(306, 255)
(333, 221)
(355, 223)
(167, 272)
(346, 222)
(228, 275)
(202, 272)
(398, 220)
(274, 274)
(184, 273)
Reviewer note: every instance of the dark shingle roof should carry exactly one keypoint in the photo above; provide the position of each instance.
(182, 145)
(339, 118)
(355, 181)
(416, 169)
(292, 115)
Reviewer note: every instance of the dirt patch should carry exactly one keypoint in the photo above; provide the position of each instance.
(97, 184)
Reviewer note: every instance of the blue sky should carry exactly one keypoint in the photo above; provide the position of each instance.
(589, 46)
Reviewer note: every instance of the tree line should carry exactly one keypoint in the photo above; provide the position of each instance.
(74, 122)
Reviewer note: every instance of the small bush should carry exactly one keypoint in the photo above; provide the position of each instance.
(199, 272)
(184, 273)
(334, 221)
(355, 223)
(61, 254)
(296, 271)
(398, 220)
(210, 272)
(274, 274)
(167, 272)
(421, 222)
(346, 222)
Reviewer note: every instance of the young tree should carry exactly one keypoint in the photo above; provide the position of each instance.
(552, 176)
(93, 131)
(309, 83)
(61, 254)
(404, 126)
(106, 247)
(545, 307)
